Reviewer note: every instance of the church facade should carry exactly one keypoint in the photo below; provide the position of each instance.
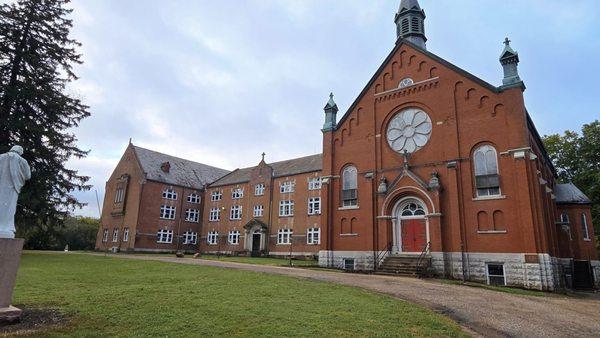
(429, 161)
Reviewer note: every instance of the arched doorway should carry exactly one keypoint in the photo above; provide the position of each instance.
(410, 230)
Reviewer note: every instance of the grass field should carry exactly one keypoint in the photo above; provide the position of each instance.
(104, 296)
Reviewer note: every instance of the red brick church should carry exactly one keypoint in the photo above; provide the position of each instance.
(430, 164)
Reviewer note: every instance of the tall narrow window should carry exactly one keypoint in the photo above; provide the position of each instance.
(116, 235)
(584, 228)
(487, 180)
(349, 187)
(126, 235)
(105, 235)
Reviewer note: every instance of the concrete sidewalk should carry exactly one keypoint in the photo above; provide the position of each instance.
(485, 312)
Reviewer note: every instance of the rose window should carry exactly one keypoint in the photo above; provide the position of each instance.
(409, 130)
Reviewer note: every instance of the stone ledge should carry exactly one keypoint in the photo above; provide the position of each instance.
(10, 314)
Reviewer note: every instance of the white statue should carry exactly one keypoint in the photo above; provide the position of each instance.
(14, 171)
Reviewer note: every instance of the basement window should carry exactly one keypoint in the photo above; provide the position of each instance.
(495, 274)
(349, 264)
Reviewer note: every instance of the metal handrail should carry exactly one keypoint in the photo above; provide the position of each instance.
(423, 253)
(382, 254)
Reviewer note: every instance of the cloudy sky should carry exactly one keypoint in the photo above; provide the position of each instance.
(220, 82)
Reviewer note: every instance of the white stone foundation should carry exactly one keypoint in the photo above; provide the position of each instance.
(363, 260)
(547, 274)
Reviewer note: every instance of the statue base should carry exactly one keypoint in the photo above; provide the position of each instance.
(10, 255)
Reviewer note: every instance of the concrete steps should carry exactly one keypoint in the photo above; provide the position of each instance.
(403, 265)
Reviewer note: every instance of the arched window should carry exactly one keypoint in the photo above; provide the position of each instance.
(349, 186)
(412, 208)
(584, 228)
(487, 180)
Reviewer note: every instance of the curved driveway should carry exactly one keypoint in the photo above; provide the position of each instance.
(483, 312)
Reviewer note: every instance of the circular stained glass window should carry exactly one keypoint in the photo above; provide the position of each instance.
(409, 130)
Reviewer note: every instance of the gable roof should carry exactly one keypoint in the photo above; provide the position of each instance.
(291, 167)
(568, 193)
(436, 58)
(182, 172)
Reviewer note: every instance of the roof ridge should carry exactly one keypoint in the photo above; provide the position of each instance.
(179, 158)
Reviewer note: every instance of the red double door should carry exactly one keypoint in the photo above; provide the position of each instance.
(414, 235)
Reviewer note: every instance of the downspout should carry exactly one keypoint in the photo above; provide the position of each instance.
(137, 221)
(267, 235)
(330, 205)
(374, 193)
(204, 195)
(179, 222)
(461, 212)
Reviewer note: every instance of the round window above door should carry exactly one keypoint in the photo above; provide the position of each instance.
(409, 130)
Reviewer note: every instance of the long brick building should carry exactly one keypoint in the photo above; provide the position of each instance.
(429, 162)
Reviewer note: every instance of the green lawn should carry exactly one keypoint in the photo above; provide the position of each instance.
(105, 296)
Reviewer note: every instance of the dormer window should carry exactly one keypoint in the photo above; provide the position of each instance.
(169, 194)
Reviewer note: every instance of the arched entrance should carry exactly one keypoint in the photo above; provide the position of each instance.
(256, 237)
(410, 230)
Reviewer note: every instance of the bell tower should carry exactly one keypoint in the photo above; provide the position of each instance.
(410, 23)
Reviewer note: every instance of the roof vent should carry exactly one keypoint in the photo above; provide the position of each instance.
(165, 167)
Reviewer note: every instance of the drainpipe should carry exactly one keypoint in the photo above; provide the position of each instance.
(181, 215)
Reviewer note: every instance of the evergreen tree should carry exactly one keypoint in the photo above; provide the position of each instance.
(36, 111)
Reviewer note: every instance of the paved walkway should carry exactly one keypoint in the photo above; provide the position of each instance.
(484, 312)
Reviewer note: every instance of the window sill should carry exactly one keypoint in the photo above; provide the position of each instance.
(489, 198)
(283, 244)
(587, 240)
(349, 235)
(353, 207)
(167, 219)
(315, 214)
(285, 216)
(491, 232)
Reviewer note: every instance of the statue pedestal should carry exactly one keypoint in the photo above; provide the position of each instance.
(10, 255)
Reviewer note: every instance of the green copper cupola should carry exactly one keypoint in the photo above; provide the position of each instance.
(509, 59)
(331, 110)
(410, 23)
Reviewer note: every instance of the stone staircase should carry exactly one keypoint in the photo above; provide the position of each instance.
(404, 265)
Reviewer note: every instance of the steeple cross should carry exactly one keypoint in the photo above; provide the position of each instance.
(263, 155)
(507, 41)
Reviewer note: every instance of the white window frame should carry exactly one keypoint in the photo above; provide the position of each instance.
(484, 149)
(287, 187)
(214, 215)
(193, 198)
(313, 236)
(164, 236)
(585, 228)
(286, 208)
(169, 194)
(167, 212)
(259, 189)
(126, 235)
(315, 183)
(258, 210)
(105, 235)
(190, 237)
(235, 213)
(216, 195)
(115, 238)
(237, 193)
(212, 238)
(233, 237)
(350, 183)
(487, 274)
(192, 215)
(314, 205)
(284, 236)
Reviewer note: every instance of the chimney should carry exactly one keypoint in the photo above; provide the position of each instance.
(165, 167)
